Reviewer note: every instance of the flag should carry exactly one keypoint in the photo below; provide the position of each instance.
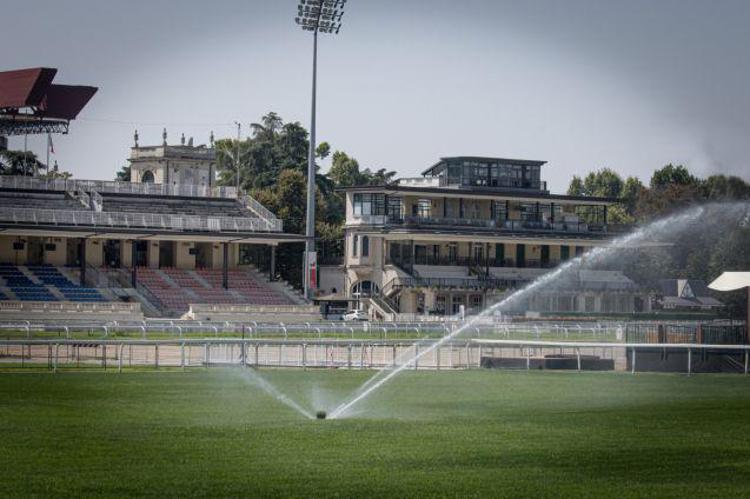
(50, 145)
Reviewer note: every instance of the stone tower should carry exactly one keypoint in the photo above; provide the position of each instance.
(173, 165)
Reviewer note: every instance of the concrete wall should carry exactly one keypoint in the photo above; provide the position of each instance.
(183, 258)
(8, 254)
(153, 254)
(94, 252)
(57, 257)
(126, 254)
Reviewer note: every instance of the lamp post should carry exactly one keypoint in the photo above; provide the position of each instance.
(322, 16)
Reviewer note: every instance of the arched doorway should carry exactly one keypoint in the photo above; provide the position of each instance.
(147, 177)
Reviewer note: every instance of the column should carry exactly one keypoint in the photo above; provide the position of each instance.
(225, 267)
(272, 267)
(83, 262)
(134, 262)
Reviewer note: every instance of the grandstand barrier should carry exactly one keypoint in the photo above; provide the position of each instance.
(179, 223)
(62, 310)
(115, 187)
(258, 313)
(352, 354)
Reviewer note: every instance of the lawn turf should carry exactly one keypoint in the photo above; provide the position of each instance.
(461, 434)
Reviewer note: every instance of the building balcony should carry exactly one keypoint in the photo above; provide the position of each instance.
(488, 225)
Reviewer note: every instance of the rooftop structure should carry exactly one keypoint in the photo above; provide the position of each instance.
(30, 103)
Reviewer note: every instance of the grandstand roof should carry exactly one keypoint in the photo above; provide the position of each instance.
(28, 98)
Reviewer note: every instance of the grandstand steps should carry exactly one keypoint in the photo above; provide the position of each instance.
(282, 287)
(199, 278)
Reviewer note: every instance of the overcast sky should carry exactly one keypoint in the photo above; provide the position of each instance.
(582, 84)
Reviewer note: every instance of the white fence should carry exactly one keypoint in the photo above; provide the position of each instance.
(346, 354)
(87, 218)
(115, 187)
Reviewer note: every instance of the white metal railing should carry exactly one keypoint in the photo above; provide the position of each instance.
(253, 205)
(137, 220)
(116, 187)
(97, 203)
(68, 307)
(67, 351)
(84, 198)
(255, 309)
(419, 182)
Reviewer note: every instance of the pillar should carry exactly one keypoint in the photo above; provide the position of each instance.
(272, 267)
(133, 263)
(83, 262)
(225, 267)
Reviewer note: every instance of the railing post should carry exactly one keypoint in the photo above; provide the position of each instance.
(528, 358)
(54, 363)
(578, 357)
(690, 360)
(632, 360)
(119, 358)
(416, 356)
(182, 355)
(205, 354)
(257, 363)
(746, 359)
(156, 356)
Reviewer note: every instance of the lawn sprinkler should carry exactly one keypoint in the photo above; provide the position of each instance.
(320, 414)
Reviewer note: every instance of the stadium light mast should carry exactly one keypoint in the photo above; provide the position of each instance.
(322, 16)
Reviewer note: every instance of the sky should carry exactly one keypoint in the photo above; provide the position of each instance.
(582, 84)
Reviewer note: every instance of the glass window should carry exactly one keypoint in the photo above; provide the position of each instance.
(365, 246)
(424, 207)
(362, 204)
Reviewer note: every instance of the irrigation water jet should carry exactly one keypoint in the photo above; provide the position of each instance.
(668, 226)
(251, 376)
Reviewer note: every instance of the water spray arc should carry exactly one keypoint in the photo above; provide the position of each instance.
(671, 225)
(256, 379)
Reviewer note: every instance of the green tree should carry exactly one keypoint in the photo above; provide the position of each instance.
(19, 163)
(671, 175)
(576, 186)
(124, 174)
(603, 183)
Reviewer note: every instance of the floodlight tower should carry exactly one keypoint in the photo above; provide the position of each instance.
(322, 16)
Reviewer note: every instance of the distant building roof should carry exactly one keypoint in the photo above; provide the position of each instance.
(686, 293)
(485, 159)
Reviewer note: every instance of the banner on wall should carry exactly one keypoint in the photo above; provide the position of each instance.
(312, 269)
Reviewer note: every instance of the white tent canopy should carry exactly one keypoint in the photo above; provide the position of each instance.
(730, 281)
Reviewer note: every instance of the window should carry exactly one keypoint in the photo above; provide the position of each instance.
(564, 253)
(424, 207)
(452, 252)
(362, 204)
(355, 244)
(147, 177)
(365, 246)
(394, 209)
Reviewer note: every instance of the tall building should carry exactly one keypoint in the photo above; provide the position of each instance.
(462, 235)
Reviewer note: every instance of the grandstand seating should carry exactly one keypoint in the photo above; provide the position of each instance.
(39, 200)
(176, 289)
(51, 280)
(176, 206)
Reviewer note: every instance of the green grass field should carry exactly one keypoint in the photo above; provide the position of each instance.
(471, 433)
